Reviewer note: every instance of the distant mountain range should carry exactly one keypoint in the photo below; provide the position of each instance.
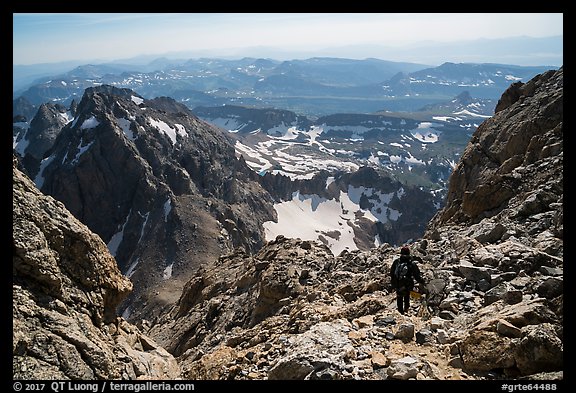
(313, 87)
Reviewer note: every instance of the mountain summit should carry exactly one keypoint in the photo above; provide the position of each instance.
(162, 188)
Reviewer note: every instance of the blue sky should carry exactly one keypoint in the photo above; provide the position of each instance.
(46, 38)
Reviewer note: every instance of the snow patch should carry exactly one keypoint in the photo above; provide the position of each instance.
(127, 312)
(67, 116)
(20, 145)
(143, 225)
(181, 130)
(231, 125)
(81, 150)
(311, 217)
(117, 238)
(444, 118)
(131, 268)
(136, 100)
(308, 216)
(425, 133)
(169, 131)
(39, 179)
(283, 132)
(467, 112)
(329, 181)
(91, 122)
(167, 209)
(125, 125)
(167, 273)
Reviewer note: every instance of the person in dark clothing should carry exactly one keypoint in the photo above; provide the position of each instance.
(403, 273)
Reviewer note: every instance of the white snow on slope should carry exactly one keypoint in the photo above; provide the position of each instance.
(167, 273)
(91, 122)
(425, 133)
(310, 217)
(445, 118)
(117, 238)
(132, 268)
(39, 179)
(169, 131)
(380, 211)
(167, 209)
(136, 100)
(20, 145)
(300, 166)
(245, 150)
(81, 150)
(145, 217)
(230, 124)
(125, 125)
(467, 112)
(284, 132)
(67, 116)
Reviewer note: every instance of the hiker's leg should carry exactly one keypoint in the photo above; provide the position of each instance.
(399, 302)
(407, 302)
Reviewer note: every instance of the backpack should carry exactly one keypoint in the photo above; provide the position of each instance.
(402, 271)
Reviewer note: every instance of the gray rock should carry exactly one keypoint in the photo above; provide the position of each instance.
(66, 287)
(540, 349)
(405, 332)
(403, 369)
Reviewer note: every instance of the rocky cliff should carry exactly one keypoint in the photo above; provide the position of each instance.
(513, 158)
(492, 260)
(65, 290)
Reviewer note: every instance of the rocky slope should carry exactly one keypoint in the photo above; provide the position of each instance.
(65, 289)
(513, 158)
(492, 258)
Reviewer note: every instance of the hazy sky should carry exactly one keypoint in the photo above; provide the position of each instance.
(46, 38)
